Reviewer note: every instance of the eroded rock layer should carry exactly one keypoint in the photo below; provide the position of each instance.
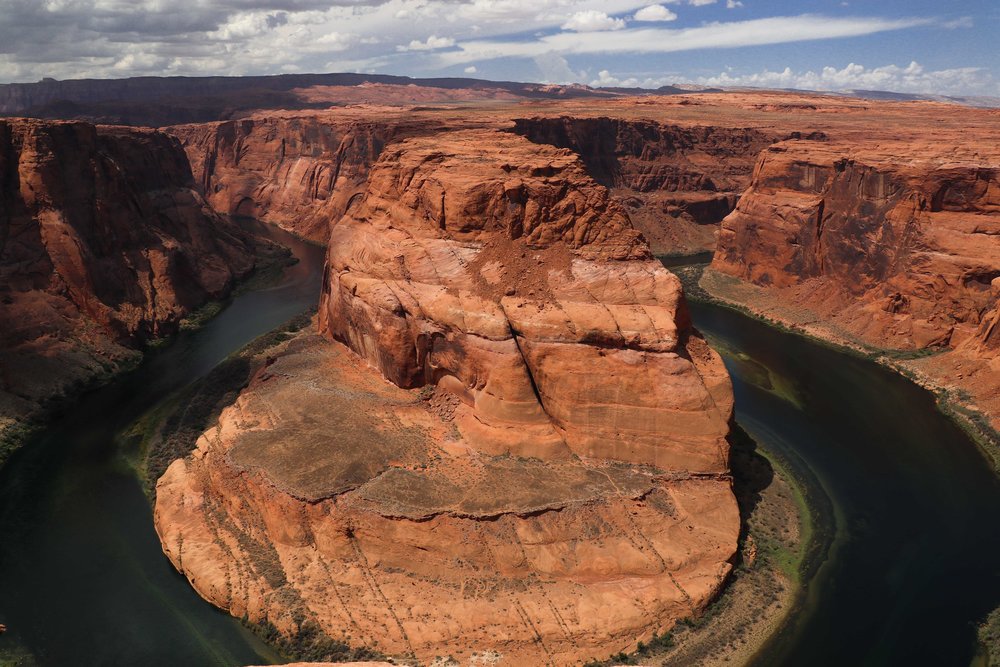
(298, 171)
(104, 243)
(521, 449)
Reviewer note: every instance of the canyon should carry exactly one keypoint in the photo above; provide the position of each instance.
(890, 245)
(104, 245)
(503, 433)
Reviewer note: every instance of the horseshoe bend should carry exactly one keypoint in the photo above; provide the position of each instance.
(506, 436)
(462, 373)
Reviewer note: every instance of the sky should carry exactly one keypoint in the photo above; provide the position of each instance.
(915, 46)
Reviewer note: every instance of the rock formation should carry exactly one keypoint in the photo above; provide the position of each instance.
(894, 244)
(678, 181)
(103, 244)
(909, 248)
(520, 451)
(297, 171)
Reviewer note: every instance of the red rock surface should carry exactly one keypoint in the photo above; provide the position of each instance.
(496, 266)
(295, 170)
(525, 453)
(890, 242)
(103, 244)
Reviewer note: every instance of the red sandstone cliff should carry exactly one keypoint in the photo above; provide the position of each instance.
(890, 245)
(103, 244)
(298, 171)
(520, 452)
(900, 251)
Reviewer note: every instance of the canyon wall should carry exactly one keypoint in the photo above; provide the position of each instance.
(515, 443)
(297, 171)
(898, 251)
(678, 182)
(890, 246)
(104, 244)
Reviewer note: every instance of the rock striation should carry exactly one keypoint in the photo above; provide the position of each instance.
(900, 253)
(911, 248)
(104, 244)
(889, 245)
(297, 171)
(519, 449)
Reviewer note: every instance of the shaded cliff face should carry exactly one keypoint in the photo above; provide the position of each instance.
(902, 251)
(519, 450)
(298, 172)
(103, 244)
(678, 182)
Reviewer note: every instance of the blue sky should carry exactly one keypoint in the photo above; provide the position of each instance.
(908, 46)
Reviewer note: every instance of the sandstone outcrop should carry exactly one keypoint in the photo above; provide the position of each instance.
(518, 450)
(890, 245)
(103, 244)
(297, 171)
(679, 182)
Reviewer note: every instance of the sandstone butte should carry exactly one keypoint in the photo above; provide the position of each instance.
(865, 222)
(506, 438)
(104, 243)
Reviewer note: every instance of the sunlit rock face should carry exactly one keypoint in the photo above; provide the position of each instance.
(506, 438)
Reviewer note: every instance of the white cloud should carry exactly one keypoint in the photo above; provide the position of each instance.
(555, 69)
(655, 13)
(431, 43)
(733, 4)
(592, 21)
(913, 78)
(100, 38)
(700, 3)
(756, 32)
(471, 69)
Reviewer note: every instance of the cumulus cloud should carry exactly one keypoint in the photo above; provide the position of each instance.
(102, 38)
(95, 38)
(701, 3)
(431, 43)
(555, 69)
(912, 78)
(471, 69)
(592, 21)
(655, 13)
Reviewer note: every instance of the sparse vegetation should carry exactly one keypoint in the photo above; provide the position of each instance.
(989, 641)
(309, 644)
(171, 429)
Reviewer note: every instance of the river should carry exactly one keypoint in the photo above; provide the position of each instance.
(908, 559)
(83, 580)
(905, 566)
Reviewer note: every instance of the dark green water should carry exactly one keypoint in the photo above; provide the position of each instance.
(83, 580)
(909, 553)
